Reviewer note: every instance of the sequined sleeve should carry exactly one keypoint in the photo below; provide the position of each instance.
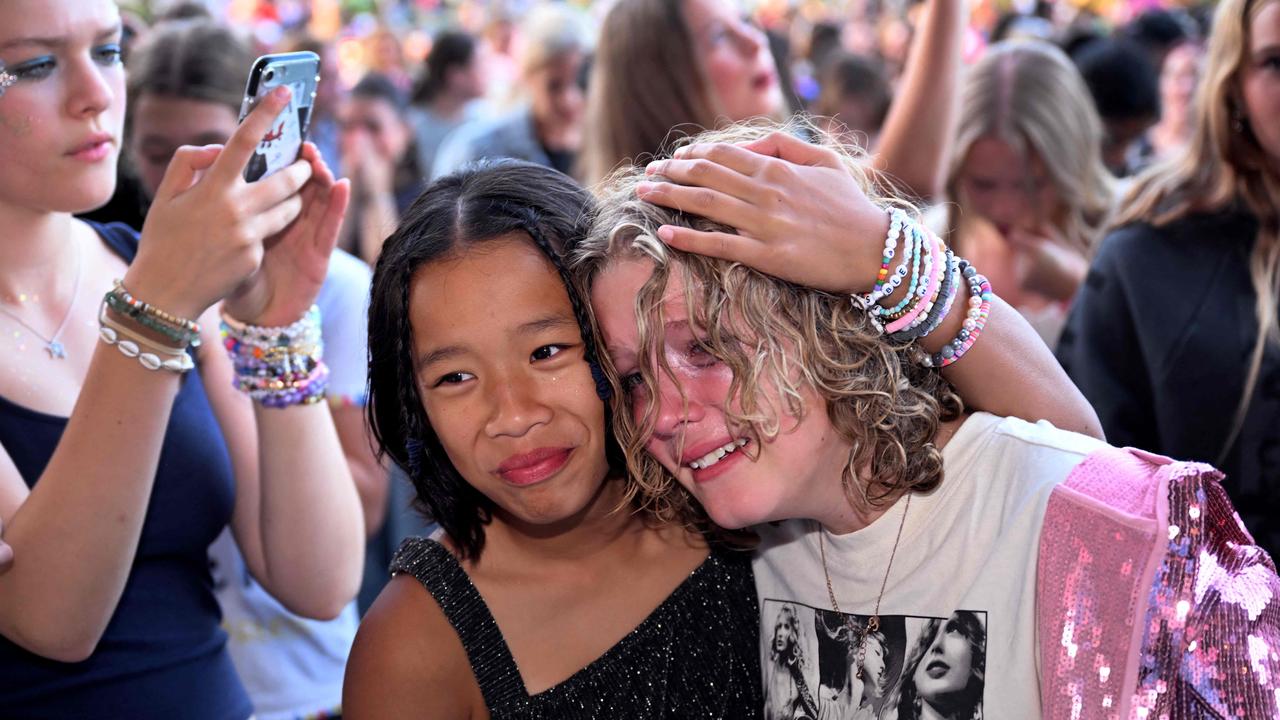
(1153, 601)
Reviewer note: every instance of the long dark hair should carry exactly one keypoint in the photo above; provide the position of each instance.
(476, 205)
(451, 49)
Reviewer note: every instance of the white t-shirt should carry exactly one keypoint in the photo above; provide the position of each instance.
(957, 620)
(292, 666)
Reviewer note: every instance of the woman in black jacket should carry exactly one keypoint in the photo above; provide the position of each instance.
(1174, 337)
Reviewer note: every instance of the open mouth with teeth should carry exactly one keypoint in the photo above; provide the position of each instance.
(717, 455)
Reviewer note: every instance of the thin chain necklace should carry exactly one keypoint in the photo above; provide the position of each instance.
(873, 622)
(52, 345)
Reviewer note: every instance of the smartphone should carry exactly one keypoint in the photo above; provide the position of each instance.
(300, 71)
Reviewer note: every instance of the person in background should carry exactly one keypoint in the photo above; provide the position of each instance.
(378, 156)
(1179, 76)
(184, 89)
(384, 55)
(1030, 193)
(1158, 31)
(708, 66)
(854, 99)
(446, 93)
(133, 433)
(547, 128)
(1125, 90)
(1174, 337)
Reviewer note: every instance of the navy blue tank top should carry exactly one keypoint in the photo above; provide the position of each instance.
(163, 654)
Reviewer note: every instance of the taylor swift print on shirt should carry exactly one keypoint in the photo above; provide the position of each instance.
(913, 668)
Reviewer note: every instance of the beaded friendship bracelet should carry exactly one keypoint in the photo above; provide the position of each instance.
(278, 366)
(180, 330)
(980, 296)
(935, 277)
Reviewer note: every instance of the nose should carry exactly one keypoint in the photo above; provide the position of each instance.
(516, 408)
(89, 91)
(748, 38)
(674, 409)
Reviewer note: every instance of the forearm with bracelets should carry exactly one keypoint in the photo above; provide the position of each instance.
(159, 340)
(934, 280)
(278, 366)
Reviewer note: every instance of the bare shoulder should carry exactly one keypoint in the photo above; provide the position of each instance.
(407, 661)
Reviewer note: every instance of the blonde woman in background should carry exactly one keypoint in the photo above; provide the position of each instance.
(547, 127)
(1030, 193)
(1174, 337)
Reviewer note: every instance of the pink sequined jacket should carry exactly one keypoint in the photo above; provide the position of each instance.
(1153, 601)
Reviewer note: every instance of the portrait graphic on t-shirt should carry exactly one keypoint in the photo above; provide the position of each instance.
(912, 668)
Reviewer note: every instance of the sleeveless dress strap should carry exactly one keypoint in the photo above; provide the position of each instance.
(440, 573)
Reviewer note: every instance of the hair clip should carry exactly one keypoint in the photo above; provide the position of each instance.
(6, 79)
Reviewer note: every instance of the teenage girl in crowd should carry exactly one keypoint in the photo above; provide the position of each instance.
(122, 462)
(447, 93)
(756, 402)
(1197, 247)
(1030, 193)
(707, 66)
(548, 593)
(185, 88)
(547, 126)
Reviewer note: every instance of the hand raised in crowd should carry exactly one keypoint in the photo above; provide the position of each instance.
(1046, 264)
(370, 169)
(799, 212)
(205, 233)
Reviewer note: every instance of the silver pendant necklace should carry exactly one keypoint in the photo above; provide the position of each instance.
(52, 345)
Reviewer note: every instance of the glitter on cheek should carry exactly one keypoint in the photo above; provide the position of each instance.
(19, 126)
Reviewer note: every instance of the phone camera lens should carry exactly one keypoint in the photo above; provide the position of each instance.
(271, 74)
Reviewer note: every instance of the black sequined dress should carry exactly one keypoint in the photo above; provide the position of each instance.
(694, 657)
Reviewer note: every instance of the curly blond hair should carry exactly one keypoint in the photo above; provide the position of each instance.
(778, 338)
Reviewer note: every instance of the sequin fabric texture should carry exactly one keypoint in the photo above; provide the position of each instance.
(694, 657)
(1155, 603)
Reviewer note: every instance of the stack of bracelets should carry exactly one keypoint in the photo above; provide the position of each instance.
(278, 366)
(933, 277)
(133, 342)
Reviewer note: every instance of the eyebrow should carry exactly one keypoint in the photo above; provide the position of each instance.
(59, 42)
(533, 327)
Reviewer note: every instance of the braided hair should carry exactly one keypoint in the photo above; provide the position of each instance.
(478, 204)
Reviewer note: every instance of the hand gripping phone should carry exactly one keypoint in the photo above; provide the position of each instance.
(300, 71)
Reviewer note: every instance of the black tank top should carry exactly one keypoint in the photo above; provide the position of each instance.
(695, 657)
(163, 654)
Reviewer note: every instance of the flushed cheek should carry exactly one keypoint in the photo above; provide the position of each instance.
(19, 124)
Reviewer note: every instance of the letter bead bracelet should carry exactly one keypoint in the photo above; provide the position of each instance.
(934, 278)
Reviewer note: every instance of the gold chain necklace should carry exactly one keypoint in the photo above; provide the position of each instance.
(873, 622)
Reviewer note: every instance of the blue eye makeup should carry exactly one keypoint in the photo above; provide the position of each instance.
(34, 69)
(109, 54)
(42, 67)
